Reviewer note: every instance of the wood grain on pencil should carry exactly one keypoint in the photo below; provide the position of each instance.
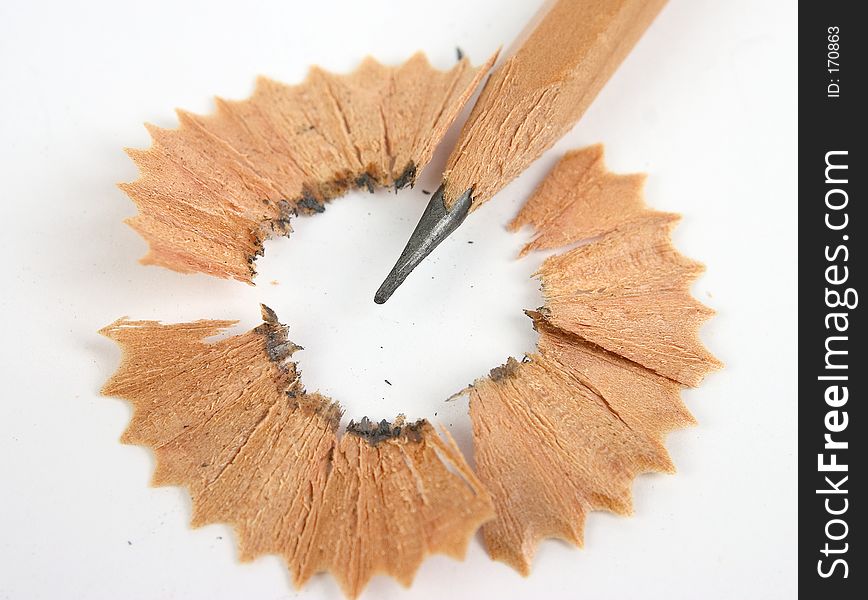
(540, 92)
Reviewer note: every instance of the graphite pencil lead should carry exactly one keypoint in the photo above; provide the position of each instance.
(436, 224)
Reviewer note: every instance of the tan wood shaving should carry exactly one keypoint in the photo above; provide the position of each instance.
(230, 420)
(567, 431)
(580, 199)
(212, 190)
(630, 293)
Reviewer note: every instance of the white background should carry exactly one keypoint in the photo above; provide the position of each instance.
(705, 104)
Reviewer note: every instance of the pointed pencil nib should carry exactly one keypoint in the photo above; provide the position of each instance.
(436, 224)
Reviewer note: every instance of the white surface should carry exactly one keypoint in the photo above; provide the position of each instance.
(706, 105)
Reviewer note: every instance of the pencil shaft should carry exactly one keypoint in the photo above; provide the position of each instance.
(539, 92)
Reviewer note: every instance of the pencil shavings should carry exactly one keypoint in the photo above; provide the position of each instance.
(628, 290)
(630, 293)
(580, 199)
(211, 191)
(567, 430)
(230, 420)
(563, 434)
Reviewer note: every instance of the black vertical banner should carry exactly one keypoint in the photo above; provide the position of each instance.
(833, 438)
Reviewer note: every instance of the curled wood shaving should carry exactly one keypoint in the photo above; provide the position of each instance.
(567, 430)
(580, 199)
(230, 420)
(211, 191)
(630, 293)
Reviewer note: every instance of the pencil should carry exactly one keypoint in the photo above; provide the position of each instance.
(567, 53)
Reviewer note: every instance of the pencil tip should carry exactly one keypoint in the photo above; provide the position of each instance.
(435, 225)
(383, 293)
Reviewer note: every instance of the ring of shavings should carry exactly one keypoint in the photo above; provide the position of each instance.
(211, 191)
(231, 421)
(567, 430)
(561, 433)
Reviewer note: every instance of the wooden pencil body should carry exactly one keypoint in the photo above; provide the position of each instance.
(539, 92)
